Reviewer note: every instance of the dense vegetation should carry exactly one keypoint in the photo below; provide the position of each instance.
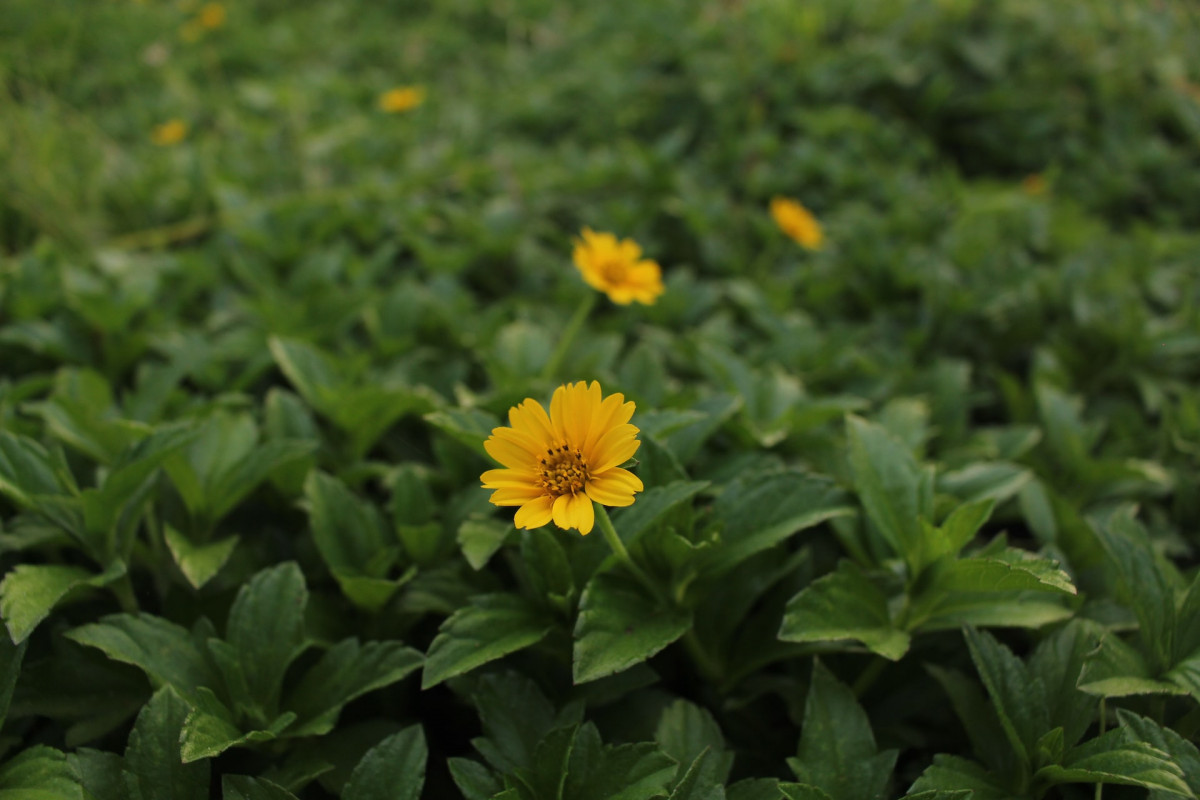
(920, 512)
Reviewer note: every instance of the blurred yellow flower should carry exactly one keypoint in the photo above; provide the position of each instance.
(556, 464)
(617, 268)
(402, 98)
(170, 132)
(1034, 185)
(211, 16)
(797, 222)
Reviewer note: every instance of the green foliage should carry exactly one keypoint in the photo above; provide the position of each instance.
(248, 376)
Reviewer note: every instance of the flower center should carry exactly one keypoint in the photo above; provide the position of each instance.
(615, 271)
(563, 471)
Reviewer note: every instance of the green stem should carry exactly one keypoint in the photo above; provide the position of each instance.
(866, 679)
(1100, 786)
(618, 548)
(568, 336)
(704, 662)
(123, 589)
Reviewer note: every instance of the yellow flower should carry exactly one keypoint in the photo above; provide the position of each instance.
(170, 132)
(556, 464)
(1034, 185)
(402, 98)
(617, 268)
(211, 16)
(797, 222)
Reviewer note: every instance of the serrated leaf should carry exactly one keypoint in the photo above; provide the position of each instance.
(102, 775)
(26, 470)
(615, 772)
(619, 626)
(344, 672)
(845, 604)
(1115, 758)
(953, 534)
(950, 775)
(39, 773)
(702, 781)
(1116, 669)
(1011, 571)
(515, 716)
(266, 629)
(686, 732)
(153, 755)
(653, 505)
(492, 626)
(353, 539)
(1057, 662)
(31, 591)
(198, 563)
(392, 770)
(837, 748)
(1019, 698)
(474, 780)
(245, 787)
(11, 657)
(979, 720)
(210, 730)
(763, 512)
(801, 791)
(1181, 751)
(988, 610)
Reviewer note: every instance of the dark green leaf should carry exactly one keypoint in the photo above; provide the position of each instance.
(31, 591)
(950, 775)
(889, 483)
(845, 604)
(344, 672)
(266, 629)
(39, 773)
(491, 627)
(153, 757)
(244, 787)
(198, 563)
(1018, 697)
(392, 770)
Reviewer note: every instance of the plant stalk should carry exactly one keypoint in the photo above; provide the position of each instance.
(568, 336)
(622, 554)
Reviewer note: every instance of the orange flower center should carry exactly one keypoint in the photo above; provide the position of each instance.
(563, 471)
(615, 271)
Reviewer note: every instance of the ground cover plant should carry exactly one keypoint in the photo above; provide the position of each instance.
(751, 399)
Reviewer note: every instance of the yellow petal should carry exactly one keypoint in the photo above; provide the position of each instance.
(515, 496)
(535, 513)
(561, 518)
(614, 448)
(581, 513)
(500, 478)
(530, 417)
(610, 491)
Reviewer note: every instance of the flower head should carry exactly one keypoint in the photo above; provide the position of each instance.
(170, 132)
(1034, 185)
(211, 16)
(617, 268)
(797, 222)
(556, 464)
(402, 98)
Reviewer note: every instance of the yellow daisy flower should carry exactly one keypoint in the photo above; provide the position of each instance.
(556, 464)
(797, 222)
(402, 98)
(211, 16)
(170, 132)
(617, 268)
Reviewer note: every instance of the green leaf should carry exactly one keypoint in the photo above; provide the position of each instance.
(474, 780)
(468, 426)
(309, 370)
(1058, 662)
(1144, 583)
(979, 720)
(993, 480)
(210, 730)
(546, 564)
(1182, 752)
(102, 775)
(889, 484)
(392, 770)
(26, 471)
(619, 626)
(344, 672)
(515, 716)
(31, 591)
(837, 748)
(153, 756)
(652, 506)
(845, 604)
(755, 789)
(39, 773)
(761, 512)
(1115, 757)
(950, 775)
(266, 629)
(198, 563)
(1018, 697)
(687, 732)
(1115, 669)
(481, 537)
(953, 534)
(244, 787)
(702, 781)
(1011, 571)
(491, 627)
(620, 772)
(992, 610)
(11, 657)
(801, 791)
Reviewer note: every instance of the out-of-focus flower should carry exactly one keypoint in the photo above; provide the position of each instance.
(617, 268)
(1034, 185)
(211, 16)
(556, 464)
(797, 222)
(402, 98)
(170, 132)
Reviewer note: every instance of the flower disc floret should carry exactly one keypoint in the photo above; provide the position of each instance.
(556, 464)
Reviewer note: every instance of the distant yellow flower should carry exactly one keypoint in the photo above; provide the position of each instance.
(556, 464)
(402, 98)
(1034, 185)
(170, 132)
(211, 16)
(617, 268)
(797, 222)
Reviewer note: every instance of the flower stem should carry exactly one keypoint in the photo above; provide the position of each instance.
(618, 548)
(568, 336)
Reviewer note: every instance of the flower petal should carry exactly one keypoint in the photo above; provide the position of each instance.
(561, 518)
(611, 491)
(535, 513)
(581, 513)
(515, 496)
(531, 418)
(614, 448)
(508, 452)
